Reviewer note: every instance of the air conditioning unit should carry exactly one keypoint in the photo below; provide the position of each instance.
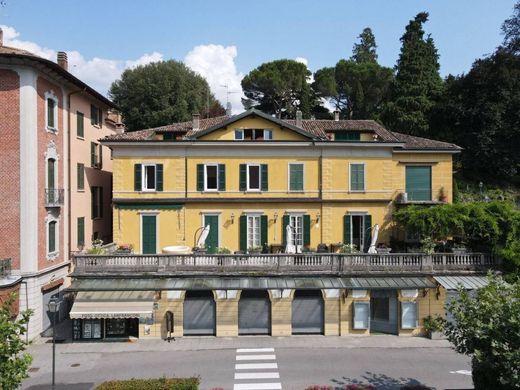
(402, 198)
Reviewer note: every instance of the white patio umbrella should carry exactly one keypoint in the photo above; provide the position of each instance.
(375, 232)
(289, 247)
(202, 239)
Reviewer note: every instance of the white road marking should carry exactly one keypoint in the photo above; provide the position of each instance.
(256, 357)
(257, 350)
(462, 372)
(257, 386)
(257, 375)
(256, 366)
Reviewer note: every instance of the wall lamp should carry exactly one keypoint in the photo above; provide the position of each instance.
(318, 216)
(275, 216)
(232, 218)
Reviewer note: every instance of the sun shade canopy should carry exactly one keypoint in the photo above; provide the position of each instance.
(467, 282)
(113, 304)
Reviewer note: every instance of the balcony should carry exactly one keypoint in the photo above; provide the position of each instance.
(54, 197)
(283, 264)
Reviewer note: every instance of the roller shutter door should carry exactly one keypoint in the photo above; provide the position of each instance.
(199, 313)
(254, 313)
(307, 312)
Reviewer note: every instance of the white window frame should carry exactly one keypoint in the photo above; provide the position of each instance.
(295, 238)
(259, 228)
(149, 214)
(50, 95)
(241, 132)
(206, 189)
(259, 178)
(270, 132)
(363, 238)
(48, 220)
(144, 176)
(289, 177)
(350, 164)
(52, 154)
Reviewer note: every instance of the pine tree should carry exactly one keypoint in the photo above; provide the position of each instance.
(417, 83)
(365, 50)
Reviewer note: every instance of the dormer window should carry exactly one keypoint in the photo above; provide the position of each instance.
(347, 136)
(253, 134)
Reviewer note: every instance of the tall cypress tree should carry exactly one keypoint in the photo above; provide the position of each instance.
(365, 50)
(417, 83)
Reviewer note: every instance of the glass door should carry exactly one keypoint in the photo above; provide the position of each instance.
(296, 223)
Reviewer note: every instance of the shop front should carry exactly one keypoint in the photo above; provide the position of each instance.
(98, 315)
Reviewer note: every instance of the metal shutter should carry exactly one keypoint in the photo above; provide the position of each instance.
(307, 312)
(254, 313)
(199, 313)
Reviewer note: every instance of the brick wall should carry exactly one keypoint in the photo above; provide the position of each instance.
(10, 165)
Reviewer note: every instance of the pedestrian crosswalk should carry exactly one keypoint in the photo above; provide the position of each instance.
(257, 373)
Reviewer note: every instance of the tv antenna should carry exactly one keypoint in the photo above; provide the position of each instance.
(228, 92)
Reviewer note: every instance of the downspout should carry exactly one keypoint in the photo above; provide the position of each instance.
(69, 188)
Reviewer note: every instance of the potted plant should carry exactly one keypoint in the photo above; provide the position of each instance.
(383, 249)
(433, 327)
(97, 248)
(459, 249)
(428, 245)
(348, 248)
(254, 250)
(124, 249)
(223, 251)
(442, 195)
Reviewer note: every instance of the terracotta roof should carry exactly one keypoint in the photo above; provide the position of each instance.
(414, 142)
(14, 50)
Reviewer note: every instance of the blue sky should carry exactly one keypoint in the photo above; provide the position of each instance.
(233, 37)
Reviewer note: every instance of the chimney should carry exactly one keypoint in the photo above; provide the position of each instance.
(228, 109)
(62, 60)
(196, 121)
(298, 118)
(1, 37)
(336, 115)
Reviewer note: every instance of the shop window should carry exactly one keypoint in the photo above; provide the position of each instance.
(361, 315)
(408, 315)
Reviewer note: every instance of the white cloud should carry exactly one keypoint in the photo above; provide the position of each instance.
(98, 73)
(303, 60)
(216, 64)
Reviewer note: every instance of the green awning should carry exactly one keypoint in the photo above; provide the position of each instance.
(467, 282)
(248, 283)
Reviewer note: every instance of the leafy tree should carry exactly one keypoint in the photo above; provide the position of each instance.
(279, 87)
(417, 82)
(357, 90)
(365, 50)
(160, 93)
(13, 362)
(511, 30)
(487, 328)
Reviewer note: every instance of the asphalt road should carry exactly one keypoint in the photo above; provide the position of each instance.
(257, 363)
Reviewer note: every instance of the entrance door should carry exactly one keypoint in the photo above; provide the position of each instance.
(383, 311)
(149, 234)
(212, 239)
(296, 223)
(254, 309)
(199, 313)
(307, 312)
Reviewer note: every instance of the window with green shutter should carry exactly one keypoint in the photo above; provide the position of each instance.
(419, 183)
(347, 136)
(243, 233)
(95, 115)
(81, 176)
(243, 177)
(93, 155)
(159, 177)
(200, 177)
(264, 185)
(295, 177)
(357, 177)
(138, 184)
(52, 237)
(306, 230)
(51, 113)
(221, 177)
(81, 231)
(80, 124)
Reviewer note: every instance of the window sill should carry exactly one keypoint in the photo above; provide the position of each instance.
(81, 190)
(53, 255)
(51, 130)
(80, 138)
(357, 191)
(296, 191)
(253, 191)
(97, 218)
(210, 192)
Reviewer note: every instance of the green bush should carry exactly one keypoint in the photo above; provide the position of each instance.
(152, 384)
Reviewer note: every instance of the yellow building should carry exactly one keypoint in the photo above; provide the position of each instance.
(295, 190)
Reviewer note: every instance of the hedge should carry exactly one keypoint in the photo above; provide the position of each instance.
(152, 384)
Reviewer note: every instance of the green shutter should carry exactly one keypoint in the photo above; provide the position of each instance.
(264, 178)
(367, 231)
(100, 202)
(149, 238)
(347, 136)
(138, 186)
(92, 154)
(93, 202)
(81, 231)
(100, 156)
(357, 177)
(243, 177)
(419, 183)
(93, 114)
(346, 229)
(52, 236)
(80, 124)
(243, 233)
(221, 177)
(296, 177)
(306, 230)
(50, 174)
(50, 113)
(100, 117)
(159, 177)
(285, 222)
(263, 230)
(81, 177)
(200, 177)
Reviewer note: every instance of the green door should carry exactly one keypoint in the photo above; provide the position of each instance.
(211, 243)
(149, 232)
(419, 183)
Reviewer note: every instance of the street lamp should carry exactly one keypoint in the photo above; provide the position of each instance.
(53, 306)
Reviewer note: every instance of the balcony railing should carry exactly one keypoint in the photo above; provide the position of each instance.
(53, 197)
(5, 267)
(271, 264)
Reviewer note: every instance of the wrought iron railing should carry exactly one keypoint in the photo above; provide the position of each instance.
(54, 197)
(326, 263)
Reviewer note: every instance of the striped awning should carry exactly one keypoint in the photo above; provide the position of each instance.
(113, 304)
(250, 283)
(467, 282)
